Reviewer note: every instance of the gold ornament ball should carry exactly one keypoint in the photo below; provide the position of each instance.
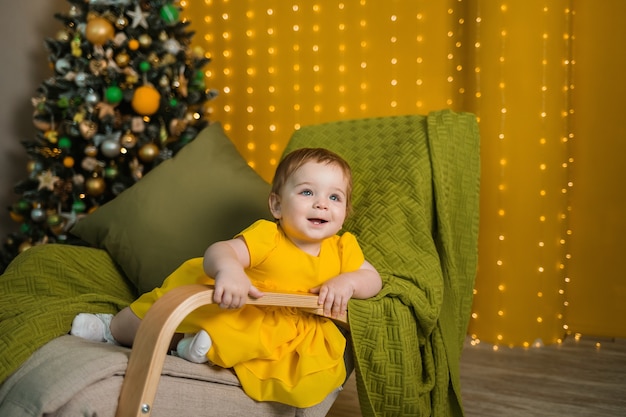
(146, 100)
(95, 186)
(145, 41)
(68, 162)
(122, 59)
(63, 36)
(88, 129)
(24, 246)
(148, 152)
(121, 22)
(99, 30)
(91, 150)
(154, 59)
(31, 165)
(128, 140)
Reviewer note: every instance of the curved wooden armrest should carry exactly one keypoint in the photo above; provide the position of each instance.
(157, 329)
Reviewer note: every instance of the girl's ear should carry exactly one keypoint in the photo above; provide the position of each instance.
(274, 203)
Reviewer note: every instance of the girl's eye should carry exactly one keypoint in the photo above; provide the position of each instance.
(306, 192)
(335, 197)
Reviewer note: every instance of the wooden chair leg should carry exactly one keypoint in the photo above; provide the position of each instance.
(157, 329)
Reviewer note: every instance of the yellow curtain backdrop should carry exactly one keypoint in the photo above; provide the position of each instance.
(523, 85)
(282, 64)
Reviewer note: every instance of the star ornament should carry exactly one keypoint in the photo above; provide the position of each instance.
(71, 217)
(47, 180)
(105, 109)
(139, 17)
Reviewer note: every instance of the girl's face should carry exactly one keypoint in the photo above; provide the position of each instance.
(311, 206)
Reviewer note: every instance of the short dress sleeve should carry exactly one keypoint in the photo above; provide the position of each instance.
(261, 239)
(352, 257)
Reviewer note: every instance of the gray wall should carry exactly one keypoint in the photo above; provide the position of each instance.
(23, 66)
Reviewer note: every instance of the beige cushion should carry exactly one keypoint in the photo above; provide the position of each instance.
(206, 193)
(73, 377)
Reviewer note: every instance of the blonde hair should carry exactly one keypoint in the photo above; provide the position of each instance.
(295, 159)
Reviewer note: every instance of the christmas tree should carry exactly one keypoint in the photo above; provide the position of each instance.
(127, 92)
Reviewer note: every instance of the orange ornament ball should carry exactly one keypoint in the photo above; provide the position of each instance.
(146, 100)
(16, 217)
(99, 30)
(68, 162)
(133, 44)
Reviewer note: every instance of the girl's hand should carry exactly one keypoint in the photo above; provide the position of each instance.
(334, 295)
(225, 261)
(233, 288)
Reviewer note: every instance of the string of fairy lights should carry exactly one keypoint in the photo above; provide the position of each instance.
(562, 121)
(568, 86)
(545, 118)
(502, 187)
(550, 274)
(321, 56)
(284, 64)
(363, 53)
(477, 88)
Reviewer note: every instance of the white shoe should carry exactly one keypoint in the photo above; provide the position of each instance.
(194, 348)
(94, 327)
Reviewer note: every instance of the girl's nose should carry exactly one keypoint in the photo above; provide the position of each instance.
(320, 204)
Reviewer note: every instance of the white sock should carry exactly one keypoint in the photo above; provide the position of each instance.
(194, 348)
(94, 327)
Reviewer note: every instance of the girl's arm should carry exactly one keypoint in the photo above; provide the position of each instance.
(225, 261)
(335, 293)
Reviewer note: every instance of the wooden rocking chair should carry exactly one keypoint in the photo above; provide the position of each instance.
(156, 331)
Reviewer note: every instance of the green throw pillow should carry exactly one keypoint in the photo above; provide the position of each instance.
(206, 193)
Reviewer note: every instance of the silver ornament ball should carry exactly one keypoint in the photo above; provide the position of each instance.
(81, 79)
(110, 148)
(62, 66)
(92, 98)
(38, 214)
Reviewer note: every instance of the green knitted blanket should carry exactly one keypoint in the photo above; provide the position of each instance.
(44, 288)
(416, 218)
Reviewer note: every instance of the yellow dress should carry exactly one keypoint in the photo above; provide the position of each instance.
(278, 353)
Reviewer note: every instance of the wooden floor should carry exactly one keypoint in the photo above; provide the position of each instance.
(585, 377)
